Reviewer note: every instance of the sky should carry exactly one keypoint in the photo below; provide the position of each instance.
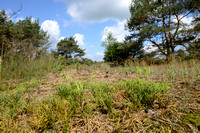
(89, 21)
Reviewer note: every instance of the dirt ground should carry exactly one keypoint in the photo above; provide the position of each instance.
(48, 83)
(188, 95)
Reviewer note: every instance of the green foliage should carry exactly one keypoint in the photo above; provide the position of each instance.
(139, 92)
(12, 104)
(21, 69)
(153, 21)
(193, 119)
(109, 40)
(24, 38)
(84, 104)
(73, 93)
(119, 52)
(87, 61)
(144, 93)
(21, 44)
(103, 96)
(69, 48)
(112, 52)
(45, 116)
(59, 64)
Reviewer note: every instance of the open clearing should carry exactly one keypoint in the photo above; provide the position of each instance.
(99, 98)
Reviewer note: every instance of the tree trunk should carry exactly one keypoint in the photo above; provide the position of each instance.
(169, 57)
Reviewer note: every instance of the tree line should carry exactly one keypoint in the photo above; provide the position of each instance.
(159, 22)
(24, 42)
(26, 39)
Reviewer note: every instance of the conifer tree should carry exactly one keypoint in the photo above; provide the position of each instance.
(69, 48)
(161, 23)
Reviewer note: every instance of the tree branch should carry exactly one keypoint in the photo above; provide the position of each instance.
(178, 24)
(164, 25)
(15, 12)
(187, 13)
(157, 45)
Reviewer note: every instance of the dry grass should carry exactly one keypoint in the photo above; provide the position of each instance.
(175, 111)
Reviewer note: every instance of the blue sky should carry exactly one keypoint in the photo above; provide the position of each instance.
(89, 21)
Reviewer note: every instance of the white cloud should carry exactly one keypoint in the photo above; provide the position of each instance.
(53, 30)
(19, 19)
(97, 10)
(118, 31)
(97, 57)
(80, 39)
(187, 21)
(33, 20)
(100, 53)
(150, 48)
(62, 38)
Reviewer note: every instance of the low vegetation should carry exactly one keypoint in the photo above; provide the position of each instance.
(78, 98)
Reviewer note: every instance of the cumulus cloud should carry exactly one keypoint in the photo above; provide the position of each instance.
(19, 19)
(53, 30)
(97, 10)
(33, 20)
(97, 57)
(80, 39)
(150, 48)
(62, 38)
(100, 54)
(118, 31)
(187, 21)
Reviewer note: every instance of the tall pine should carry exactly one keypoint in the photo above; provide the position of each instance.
(161, 22)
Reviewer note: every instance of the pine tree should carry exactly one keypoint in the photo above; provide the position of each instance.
(69, 48)
(120, 51)
(161, 22)
(24, 37)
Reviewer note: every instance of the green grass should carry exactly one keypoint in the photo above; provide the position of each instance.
(168, 73)
(102, 106)
(141, 93)
(72, 92)
(70, 100)
(28, 69)
(102, 95)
